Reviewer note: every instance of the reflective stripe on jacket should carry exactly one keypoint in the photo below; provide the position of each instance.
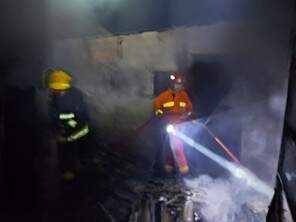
(172, 102)
(69, 116)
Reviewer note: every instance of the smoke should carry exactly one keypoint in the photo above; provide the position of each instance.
(254, 54)
(116, 73)
(228, 200)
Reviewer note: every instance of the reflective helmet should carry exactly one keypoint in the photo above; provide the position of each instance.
(59, 80)
(177, 78)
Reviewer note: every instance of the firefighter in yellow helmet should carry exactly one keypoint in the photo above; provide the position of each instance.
(59, 80)
(70, 122)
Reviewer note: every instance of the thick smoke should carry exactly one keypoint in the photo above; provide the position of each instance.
(228, 200)
(116, 73)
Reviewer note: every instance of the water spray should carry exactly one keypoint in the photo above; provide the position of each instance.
(219, 142)
(237, 170)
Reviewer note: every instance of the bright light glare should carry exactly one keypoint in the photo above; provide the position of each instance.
(238, 171)
(172, 77)
(170, 129)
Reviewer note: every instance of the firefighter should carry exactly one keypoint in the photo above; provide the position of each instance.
(174, 106)
(70, 122)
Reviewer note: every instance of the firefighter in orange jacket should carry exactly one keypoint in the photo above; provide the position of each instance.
(174, 105)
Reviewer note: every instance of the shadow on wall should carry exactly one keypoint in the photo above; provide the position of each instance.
(161, 82)
(208, 82)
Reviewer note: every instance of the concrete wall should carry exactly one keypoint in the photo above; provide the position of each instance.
(117, 73)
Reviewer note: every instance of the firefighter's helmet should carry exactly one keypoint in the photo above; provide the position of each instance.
(59, 80)
(177, 78)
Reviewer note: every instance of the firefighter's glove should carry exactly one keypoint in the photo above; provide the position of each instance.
(191, 115)
(158, 112)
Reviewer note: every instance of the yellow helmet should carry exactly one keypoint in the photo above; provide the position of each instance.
(59, 80)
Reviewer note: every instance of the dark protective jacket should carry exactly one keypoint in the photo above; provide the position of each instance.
(69, 115)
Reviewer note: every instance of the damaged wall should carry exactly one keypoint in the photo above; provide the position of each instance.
(118, 73)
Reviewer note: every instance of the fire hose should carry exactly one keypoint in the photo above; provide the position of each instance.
(226, 150)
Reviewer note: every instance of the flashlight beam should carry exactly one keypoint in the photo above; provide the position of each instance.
(220, 143)
(235, 169)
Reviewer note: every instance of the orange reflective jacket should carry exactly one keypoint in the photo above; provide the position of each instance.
(172, 102)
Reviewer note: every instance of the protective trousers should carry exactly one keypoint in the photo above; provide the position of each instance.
(174, 152)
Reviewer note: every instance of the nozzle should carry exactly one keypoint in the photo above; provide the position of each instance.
(170, 129)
